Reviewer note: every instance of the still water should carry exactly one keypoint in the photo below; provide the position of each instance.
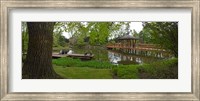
(119, 57)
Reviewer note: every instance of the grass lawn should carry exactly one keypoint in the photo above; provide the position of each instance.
(83, 72)
(76, 69)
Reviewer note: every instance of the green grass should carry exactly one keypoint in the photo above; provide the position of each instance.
(70, 62)
(82, 73)
(77, 69)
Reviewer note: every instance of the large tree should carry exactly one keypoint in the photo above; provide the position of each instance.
(163, 33)
(38, 63)
(94, 33)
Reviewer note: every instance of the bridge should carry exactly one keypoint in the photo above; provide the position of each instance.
(141, 47)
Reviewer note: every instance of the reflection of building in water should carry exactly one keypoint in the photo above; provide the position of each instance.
(114, 58)
(117, 57)
(132, 45)
(138, 60)
(134, 51)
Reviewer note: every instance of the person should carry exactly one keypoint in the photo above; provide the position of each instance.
(70, 52)
(88, 54)
(63, 51)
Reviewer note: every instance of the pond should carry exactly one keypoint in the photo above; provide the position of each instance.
(119, 57)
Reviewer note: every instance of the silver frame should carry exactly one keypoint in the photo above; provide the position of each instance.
(14, 4)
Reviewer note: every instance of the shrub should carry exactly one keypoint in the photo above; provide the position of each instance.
(130, 72)
(70, 62)
(166, 69)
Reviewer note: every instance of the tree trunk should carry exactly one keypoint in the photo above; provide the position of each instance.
(38, 63)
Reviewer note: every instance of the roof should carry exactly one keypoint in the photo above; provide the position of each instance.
(127, 37)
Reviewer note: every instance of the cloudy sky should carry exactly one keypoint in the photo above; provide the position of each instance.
(137, 26)
(134, 25)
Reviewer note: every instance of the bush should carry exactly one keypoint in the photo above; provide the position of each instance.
(130, 72)
(70, 62)
(166, 69)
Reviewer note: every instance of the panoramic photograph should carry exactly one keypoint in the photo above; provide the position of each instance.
(99, 50)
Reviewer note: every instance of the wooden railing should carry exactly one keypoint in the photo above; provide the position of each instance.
(150, 47)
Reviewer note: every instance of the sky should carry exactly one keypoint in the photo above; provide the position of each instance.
(134, 25)
(137, 26)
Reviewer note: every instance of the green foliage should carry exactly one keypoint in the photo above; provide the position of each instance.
(99, 33)
(82, 73)
(118, 30)
(79, 31)
(58, 48)
(61, 41)
(163, 33)
(80, 41)
(96, 33)
(127, 72)
(135, 34)
(145, 36)
(166, 69)
(70, 62)
(58, 38)
(24, 37)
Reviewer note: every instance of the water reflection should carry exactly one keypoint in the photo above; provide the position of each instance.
(138, 57)
(114, 58)
(123, 57)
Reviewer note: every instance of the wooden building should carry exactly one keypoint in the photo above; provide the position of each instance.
(127, 41)
(130, 44)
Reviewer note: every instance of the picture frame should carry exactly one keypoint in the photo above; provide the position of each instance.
(6, 5)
